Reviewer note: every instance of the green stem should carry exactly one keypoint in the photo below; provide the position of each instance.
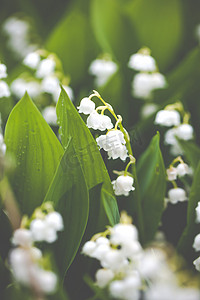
(140, 220)
(137, 192)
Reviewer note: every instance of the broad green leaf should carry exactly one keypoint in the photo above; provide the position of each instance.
(36, 151)
(159, 27)
(95, 172)
(69, 194)
(192, 228)
(191, 152)
(152, 182)
(100, 213)
(112, 29)
(73, 41)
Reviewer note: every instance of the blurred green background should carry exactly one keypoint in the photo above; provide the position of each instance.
(79, 31)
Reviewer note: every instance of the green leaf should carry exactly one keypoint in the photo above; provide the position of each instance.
(112, 29)
(187, 238)
(100, 213)
(69, 195)
(72, 40)
(151, 22)
(95, 172)
(36, 151)
(152, 182)
(191, 152)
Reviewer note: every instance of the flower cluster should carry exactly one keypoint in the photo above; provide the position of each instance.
(41, 80)
(47, 76)
(149, 79)
(171, 116)
(128, 271)
(114, 142)
(19, 38)
(26, 260)
(177, 194)
(102, 69)
(4, 89)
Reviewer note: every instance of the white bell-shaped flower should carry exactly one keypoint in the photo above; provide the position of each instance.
(144, 83)
(41, 231)
(176, 195)
(54, 220)
(99, 121)
(38, 229)
(142, 62)
(171, 173)
(45, 68)
(3, 71)
(4, 89)
(102, 69)
(152, 263)
(123, 185)
(87, 106)
(19, 86)
(50, 84)
(158, 81)
(148, 109)
(176, 150)
(196, 244)
(168, 118)
(20, 261)
(32, 60)
(49, 114)
(22, 237)
(185, 132)
(100, 251)
(68, 90)
(114, 143)
(127, 289)
(89, 248)
(198, 212)
(196, 263)
(113, 260)
(123, 233)
(119, 151)
(103, 277)
(46, 280)
(182, 169)
(170, 137)
(141, 85)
